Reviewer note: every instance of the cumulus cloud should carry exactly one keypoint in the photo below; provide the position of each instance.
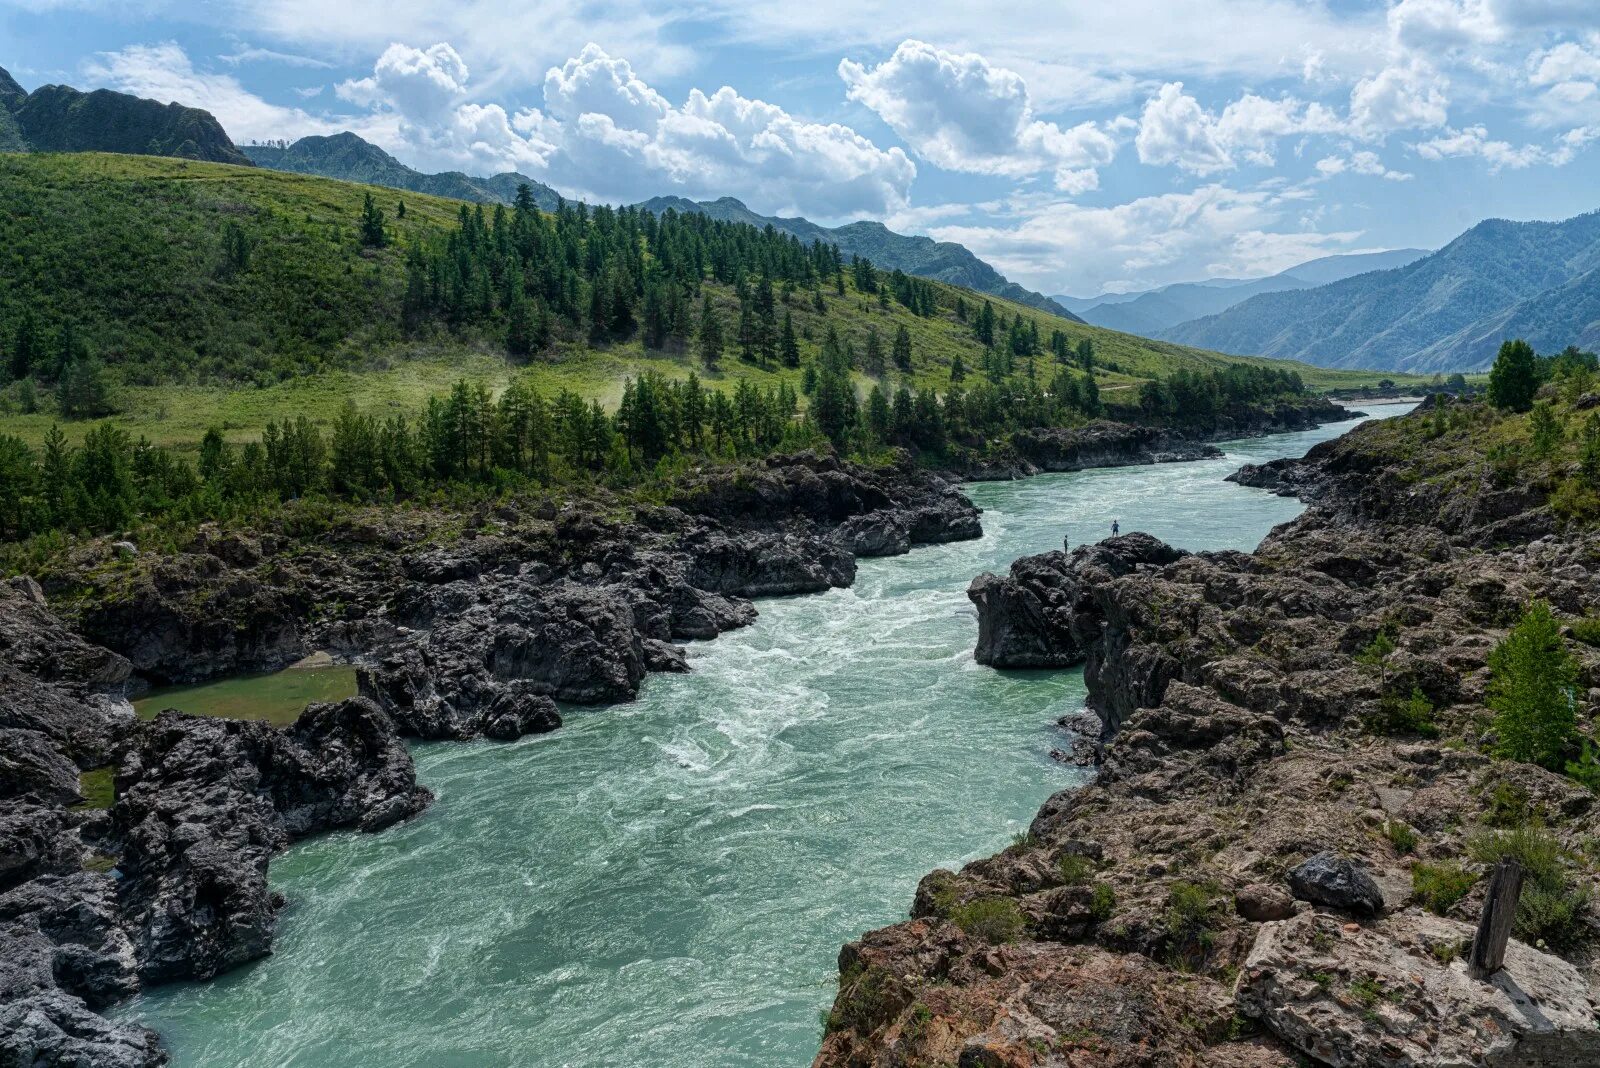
(1406, 95)
(958, 111)
(1213, 231)
(164, 72)
(1363, 162)
(1567, 78)
(605, 133)
(1475, 142)
(1175, 130)
(1441, 24)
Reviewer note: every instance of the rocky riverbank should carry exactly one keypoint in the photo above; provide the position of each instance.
(1275, 863)
(1108, 443)
(466, 625)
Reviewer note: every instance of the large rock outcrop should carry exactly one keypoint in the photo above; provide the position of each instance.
(1040, 615)
(204, 803)
(1396, 992)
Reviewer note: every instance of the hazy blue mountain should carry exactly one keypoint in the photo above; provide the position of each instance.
(922, 256)
(353, 159)
(59, 118)
(1445, 312)
(1151, 311)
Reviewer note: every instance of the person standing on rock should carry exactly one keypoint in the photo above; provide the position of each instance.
(1115, 529)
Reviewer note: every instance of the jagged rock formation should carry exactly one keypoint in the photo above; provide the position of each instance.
(1042, 614)
(202, 804)
(59, 118)
(1234, 887)
(482, 634)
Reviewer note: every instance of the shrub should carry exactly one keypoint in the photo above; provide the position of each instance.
(1586, 630)
(1402, 837)
(1552, 909)
(1508, 806)
(1552, 916)
(1535, 848)
(1102, 902)
(1397, 715)
(1531, 681)
(866, 996)
(991, 919)
(1586, 769)
(1191, 908)
(1075, 870)
(1573, 499)
(1437, 887)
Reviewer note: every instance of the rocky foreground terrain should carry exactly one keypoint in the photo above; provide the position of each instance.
(467, 625)
(1274, 863)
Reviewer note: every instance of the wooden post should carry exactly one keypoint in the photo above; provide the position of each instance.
(1488, 953)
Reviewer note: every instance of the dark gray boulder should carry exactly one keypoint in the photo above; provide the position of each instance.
(1337, 882)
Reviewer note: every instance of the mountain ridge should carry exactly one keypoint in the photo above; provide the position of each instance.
(351, 158)
(1448, 311)
(1150, 311)
(59, 118)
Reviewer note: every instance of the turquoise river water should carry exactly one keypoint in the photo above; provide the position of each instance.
(668, 882)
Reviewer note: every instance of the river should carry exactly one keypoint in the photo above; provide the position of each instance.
(667, 883)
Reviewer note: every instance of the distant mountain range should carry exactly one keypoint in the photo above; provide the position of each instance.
(1448, 311)
(59, 118)
(353, 159)
(1149, 312)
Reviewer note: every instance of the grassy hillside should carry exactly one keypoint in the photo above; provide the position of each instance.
(133, 252)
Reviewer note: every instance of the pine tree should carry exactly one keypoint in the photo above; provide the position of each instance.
(519, 325)
(372, 233)
(1589, 453)
(902, 350)
(1514, 378)
(872, 358)
(84, 390)
(27, 351)
(789, 348)
(1532, 681)
(1544, 430)
(709, 337)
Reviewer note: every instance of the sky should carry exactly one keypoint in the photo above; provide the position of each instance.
(1079, 147)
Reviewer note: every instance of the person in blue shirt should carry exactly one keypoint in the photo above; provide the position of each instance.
(1115, 529)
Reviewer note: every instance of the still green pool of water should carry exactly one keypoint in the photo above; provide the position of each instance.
(277, 698)
(666, 883)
